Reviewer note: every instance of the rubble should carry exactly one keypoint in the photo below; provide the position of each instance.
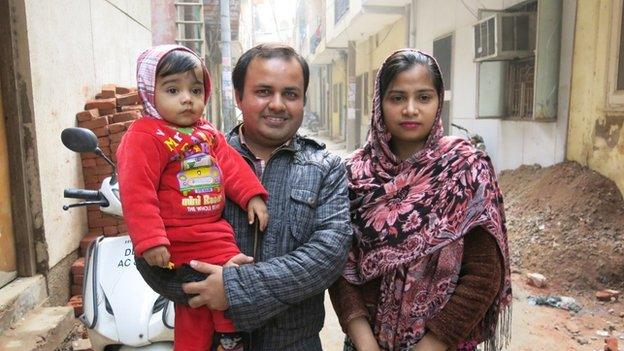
(602, 333)
(572, 327)
(537, 280)
(81, 345)
(581, 340)
(562, 302)
(76, 303)
(607, 295)
(563, 220)
(611, 344)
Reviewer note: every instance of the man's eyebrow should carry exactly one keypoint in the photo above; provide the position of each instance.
(263, 86)
(295, 88)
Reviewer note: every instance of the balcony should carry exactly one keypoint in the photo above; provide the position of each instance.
(358, 19)
(322, 55)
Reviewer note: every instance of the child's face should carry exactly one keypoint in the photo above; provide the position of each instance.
(179, 98)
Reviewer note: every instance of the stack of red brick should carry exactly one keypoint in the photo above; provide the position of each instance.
(108, 115)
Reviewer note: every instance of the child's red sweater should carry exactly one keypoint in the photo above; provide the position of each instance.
(173, 182)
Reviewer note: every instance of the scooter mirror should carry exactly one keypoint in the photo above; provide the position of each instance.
(79, 139)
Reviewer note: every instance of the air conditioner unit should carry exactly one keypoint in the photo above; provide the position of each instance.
(505, 36)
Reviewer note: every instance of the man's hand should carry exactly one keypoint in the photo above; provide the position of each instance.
(157, 256)
(239, 259)
(210, 291)
(257, 207)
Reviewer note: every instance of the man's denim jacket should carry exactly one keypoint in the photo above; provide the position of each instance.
(302, 252)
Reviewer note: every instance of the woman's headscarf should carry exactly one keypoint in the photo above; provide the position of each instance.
(147, 63)
(409, 218)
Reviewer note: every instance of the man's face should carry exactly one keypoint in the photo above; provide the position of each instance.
(272, 101)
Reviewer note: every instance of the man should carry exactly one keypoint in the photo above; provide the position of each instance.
(280, 297)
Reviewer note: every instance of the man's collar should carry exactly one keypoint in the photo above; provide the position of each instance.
(241, 137)
(236, 139)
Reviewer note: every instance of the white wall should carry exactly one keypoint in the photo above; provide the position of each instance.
(75, 47)
(509, 143)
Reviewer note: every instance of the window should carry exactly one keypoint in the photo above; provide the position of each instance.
(526, 72)
(190, 25)
(340, 8)
(615, 98)
(519, 99)
(443, 52)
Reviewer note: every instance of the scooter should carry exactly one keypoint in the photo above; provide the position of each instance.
(312, 122)
(121, 312)
(475, 139)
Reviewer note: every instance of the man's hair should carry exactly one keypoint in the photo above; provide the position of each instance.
(267, 51)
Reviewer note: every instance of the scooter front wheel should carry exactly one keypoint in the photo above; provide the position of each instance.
(157, 346)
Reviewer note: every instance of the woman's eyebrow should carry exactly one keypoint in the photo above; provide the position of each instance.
(424, 90)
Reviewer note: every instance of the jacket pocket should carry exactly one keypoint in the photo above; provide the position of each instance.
(301, 214)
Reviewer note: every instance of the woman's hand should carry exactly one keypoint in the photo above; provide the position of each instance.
(361, 335)
(429, 342)
(257, 207)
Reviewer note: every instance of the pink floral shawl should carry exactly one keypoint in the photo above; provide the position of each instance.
(409, 220)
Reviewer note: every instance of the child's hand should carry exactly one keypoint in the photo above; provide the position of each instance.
(239, 259)
(257, 207)
(157, 256)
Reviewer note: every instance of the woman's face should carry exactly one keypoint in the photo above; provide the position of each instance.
(409, 106)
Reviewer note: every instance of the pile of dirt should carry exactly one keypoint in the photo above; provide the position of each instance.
(566, 222)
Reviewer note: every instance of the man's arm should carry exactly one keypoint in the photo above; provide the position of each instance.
(257, 292)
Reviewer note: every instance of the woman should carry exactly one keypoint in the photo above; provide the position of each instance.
(429, 266)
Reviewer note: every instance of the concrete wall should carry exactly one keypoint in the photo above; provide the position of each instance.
(510, 143)
(75, 47)
(332, 29)
(164, 15)
(245, 27)
(389, 40)
(596, 133)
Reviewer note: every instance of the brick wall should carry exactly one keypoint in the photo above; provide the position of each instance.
(109, 115)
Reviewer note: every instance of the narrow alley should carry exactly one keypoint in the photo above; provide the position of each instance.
(536, 84)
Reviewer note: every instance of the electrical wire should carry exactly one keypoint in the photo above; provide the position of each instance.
(469, 9)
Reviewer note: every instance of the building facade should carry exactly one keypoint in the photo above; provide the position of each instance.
(49, 67)
(596, 131)
(516, 96)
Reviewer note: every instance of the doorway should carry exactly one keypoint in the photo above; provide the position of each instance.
(8, 266)
(443, 52)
